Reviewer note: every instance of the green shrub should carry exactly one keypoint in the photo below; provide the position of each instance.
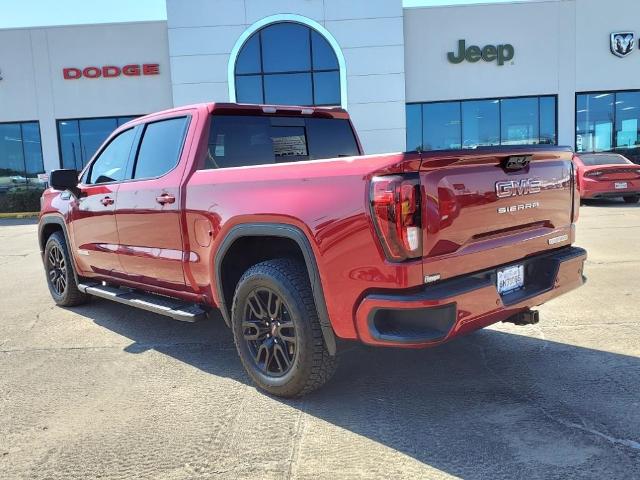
(20, 199)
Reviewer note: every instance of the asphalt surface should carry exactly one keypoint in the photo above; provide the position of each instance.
(104, 391)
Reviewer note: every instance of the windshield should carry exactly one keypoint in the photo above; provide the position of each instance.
(603, 159)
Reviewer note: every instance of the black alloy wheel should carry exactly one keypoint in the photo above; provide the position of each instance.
(61, 278)
(277, 331)
(269, 332)
(57, 270)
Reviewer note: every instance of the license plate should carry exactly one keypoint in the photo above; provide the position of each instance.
(620, 185)
(510, 279)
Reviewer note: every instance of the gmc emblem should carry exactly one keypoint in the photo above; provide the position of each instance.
(513, 188)
(111, 71)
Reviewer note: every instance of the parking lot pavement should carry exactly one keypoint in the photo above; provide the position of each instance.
(106, 391)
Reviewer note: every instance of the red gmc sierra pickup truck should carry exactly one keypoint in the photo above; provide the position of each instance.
(273, 216)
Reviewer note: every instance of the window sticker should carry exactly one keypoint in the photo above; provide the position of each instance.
(290, 146)
(219, 150)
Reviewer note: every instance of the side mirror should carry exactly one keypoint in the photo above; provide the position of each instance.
(64, 179)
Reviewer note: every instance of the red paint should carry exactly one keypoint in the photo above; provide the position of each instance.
(131, 70)
(150, 69)
(111, 71)
(170, 248)
(600, 180)
(71, 73)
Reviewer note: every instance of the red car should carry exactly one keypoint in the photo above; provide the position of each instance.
(607, 175)
(273, 216)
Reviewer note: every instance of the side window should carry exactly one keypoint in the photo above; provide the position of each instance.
(236, 141)
(160, 147)
(331, 138)
(111, 164)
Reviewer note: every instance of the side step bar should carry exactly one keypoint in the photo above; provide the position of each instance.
(176, 309)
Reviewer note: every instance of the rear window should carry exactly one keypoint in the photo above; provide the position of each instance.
(241, 140)
(603, 159)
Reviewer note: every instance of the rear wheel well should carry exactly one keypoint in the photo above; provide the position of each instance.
(248, 251)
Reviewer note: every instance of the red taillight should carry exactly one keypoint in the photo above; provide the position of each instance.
(395, 208)
(593, 173)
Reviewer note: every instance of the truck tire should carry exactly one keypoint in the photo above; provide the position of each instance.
(276, 329)
(631, 198)
(60, 276)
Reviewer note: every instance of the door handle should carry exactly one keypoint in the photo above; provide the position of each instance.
(106, 201)
(165, 198)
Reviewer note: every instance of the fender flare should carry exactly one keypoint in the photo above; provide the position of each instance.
(285, 231)
(57, 220)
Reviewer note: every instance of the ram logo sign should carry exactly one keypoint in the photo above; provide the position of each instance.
(514, 188)
(622, 43)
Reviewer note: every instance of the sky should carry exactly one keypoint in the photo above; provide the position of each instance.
(30, 13)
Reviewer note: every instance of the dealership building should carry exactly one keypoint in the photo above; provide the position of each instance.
(540, 72)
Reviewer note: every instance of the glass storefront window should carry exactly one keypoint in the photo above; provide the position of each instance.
(11, 152)
(480, 123)
(441, 125)
(627, 120)
(519, 121)
(594, 122)
(414, 127)
(20, 153)
(476, 123)
(290, 64)
(20, 164)
(547, 119)
(79, 139)
(609, 122)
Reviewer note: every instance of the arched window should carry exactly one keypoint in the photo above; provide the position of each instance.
(287, 63)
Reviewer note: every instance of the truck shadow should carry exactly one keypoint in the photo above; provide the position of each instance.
(490, 405)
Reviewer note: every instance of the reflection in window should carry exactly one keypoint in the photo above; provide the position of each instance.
(20, 155)
(480, 123)
(627, 116)
(609, 121)
(594, 122)
(414, 127)
(475, 123)
(519, 121)
(290, 88)
(236, 141)
(548, 120)
(110, 166)
(160, 147)
(80, 139)
(287, 63)
(441, 125)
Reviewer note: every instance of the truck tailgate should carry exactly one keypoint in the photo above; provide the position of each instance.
(485, 214)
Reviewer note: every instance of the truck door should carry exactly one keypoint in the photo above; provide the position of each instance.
(93, 213)
(149, 207)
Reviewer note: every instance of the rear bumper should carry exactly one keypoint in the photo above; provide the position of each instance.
(450, 308)
(606, 188)
(608, 194)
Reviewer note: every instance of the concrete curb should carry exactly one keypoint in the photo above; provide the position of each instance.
(20, 215)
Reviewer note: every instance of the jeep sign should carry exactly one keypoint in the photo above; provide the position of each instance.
(489, 53)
